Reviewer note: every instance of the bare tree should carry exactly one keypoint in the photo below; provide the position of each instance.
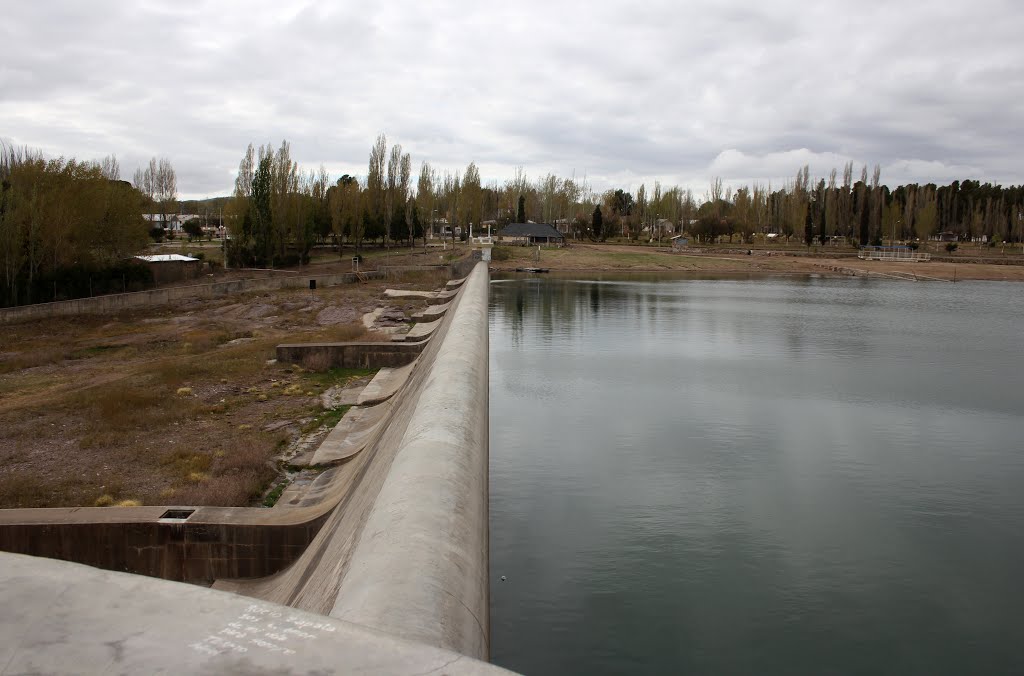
(165, 188)
(110, 168)
(375, 178)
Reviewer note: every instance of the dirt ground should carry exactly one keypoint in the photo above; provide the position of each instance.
(178, 404)
(592, 257)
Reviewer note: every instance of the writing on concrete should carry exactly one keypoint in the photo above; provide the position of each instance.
(263, 628)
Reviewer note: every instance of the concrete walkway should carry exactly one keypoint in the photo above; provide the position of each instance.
(66, 618)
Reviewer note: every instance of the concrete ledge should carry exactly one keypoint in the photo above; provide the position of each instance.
(368, 355)
(432, 313)
(420, 567)
(421, 330)
(64, 618)
(442, 297)
(384, 385)
(213, 542)
(350, 435)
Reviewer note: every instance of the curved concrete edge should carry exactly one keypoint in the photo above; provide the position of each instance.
(432, 312)
(385, 384)
(419, 331)
(408, 294)
(420, 567)
(66, 618)
(442, 297)
(351, 434)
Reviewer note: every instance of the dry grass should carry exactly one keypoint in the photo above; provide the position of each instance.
(234, 475)
(34, 358)
(159, 405)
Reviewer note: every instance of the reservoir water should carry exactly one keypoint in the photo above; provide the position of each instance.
(757, 476)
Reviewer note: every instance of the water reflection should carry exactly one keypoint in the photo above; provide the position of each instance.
(799, 476)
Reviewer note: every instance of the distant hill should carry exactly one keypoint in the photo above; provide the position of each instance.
(211, 206)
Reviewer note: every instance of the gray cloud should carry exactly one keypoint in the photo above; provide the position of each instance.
(622, 93)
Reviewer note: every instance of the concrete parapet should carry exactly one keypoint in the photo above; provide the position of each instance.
(420, 567)
(64, 618)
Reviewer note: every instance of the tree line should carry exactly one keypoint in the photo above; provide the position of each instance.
(61, 214)
(863, 211)
(68, 228)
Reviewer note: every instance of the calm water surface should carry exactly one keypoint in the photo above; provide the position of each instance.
(787, 476)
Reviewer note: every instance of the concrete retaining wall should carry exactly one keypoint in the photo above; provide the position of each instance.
(369, 355)
(123, 301)
(214, 543)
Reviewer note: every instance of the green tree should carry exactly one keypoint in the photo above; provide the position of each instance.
(521, 210)
(193, 228)
(597, 224)
(262, 221)
(808, 227)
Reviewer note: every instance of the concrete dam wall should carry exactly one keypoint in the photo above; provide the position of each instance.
(395, 540)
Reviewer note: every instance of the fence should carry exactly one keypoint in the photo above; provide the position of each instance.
(122, 301)
(902, 254)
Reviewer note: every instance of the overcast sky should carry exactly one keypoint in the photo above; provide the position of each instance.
(621, 93)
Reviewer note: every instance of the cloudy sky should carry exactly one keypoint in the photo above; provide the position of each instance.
(621, 93)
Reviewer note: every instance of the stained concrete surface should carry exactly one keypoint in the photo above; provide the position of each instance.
(351, 434)
(384, 385)
(66, 618)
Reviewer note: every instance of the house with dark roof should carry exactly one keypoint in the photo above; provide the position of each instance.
(530, 233)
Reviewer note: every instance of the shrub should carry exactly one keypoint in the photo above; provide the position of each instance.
(193, 228)
(951, 247)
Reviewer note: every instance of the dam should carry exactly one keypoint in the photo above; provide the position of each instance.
(381, 565)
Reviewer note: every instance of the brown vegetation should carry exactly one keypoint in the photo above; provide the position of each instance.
(173, 405)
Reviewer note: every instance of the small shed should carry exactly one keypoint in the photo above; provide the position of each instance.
(530, 233)
(169, 268)
(680, 242)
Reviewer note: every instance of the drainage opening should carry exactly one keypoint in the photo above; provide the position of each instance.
(177, 514)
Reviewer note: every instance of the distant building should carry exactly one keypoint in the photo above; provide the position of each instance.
(680, 242)
(530, 233)
(172, 222)
(946, 236)
(662, 227)
(169, 268)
